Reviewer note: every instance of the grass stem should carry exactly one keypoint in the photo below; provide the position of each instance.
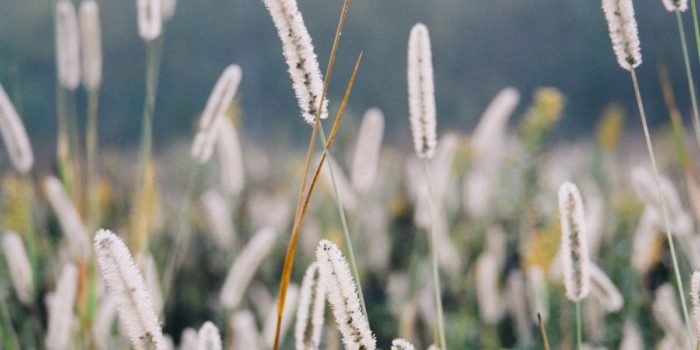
(689, 74)
(662, 202)
(434, 253)
(579, 336)
(92, 160)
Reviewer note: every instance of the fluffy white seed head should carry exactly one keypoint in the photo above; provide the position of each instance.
(14, 135)
(491, 305)
(60, 310)
(72, 226)
(167, 8)
(245, 331)
(19, 266)
(189, 339)
(421, 92)
(665, 310)
(67, 45)
(537, 293)
(401, 344)
(228, 148)
(217, 214)
(367, 149)
(574, 243)
(342, 296)
(311, 309)
(623, 32)
(301, 59)
(631, 339)
(695, 298)
(125, 283)
(675, 5)
(102, 326)
(149, 18)
(208, 337)
(489, 135)
(150, 275)
(91, 36)
(245, 266)
(604, 290)
(219, 101)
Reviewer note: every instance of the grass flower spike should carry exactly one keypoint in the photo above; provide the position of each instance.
(14, 135)
(125, 283)
(311, 309)
(91, 44)
(574, 243)
(342, 295)
(301, 59)
(401, 344)
(208, 337)
(217, 104)
(623, 32)
(71, 224)
(19, 266)
(367, 149)
(60, 309)
(421, 92)
(67, 45)
(149, 18)
(675, 5)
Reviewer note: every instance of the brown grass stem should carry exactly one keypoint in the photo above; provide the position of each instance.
(291, 248)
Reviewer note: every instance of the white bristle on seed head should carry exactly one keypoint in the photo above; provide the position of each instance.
(675, 5)
(149, 18)
(421, 92)
(208, 337)
(367, 149)
(695, 298)
(60, 310)
(71, 224)
(342, 296)
(18, 265)
(489, 135)
(401, 344)
(604, 290)
(14, 135)
(301, 59)
(228, 148)
(167, 8)
(67, 45)
(623, 32)
(125, 283)
(574, 243)
(218, 102)
(244, 267)
(91, 37)
(311, 309)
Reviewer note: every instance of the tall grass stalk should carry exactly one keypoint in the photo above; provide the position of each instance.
(301, 208)
(434, 258)
(291, 248)
(32, 246)
(92, 160)
(662, 201)
(579, 341)
(154, 50)
(63, 148)
(689, 74)
(343, 222)
(543, 332)
(170, 266)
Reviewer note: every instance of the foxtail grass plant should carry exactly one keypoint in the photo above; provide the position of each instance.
(126, 283)
(625, 41)
(68, 71)
(421, 105)
(574, 243)
(297, 42)
(311, 310)
(208, 337)
(343, 297)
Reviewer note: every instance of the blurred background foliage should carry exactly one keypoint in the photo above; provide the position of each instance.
(479, 47)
